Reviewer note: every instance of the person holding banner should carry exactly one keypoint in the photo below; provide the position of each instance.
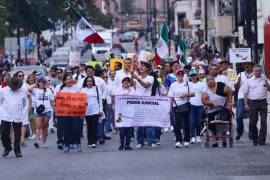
(125, 132)
(181, 91)
(94, 109)
(143, 86)
(43, 99)
(69, 126)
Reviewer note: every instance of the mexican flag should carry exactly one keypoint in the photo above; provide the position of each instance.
(163, 44)
(84, 30)
(181, 48)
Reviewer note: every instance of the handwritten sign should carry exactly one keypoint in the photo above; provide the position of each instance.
(70, 104)
(240, 55)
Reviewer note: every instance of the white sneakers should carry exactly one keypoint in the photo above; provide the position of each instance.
(198, 139)
(193, 140)
(139, 146)
(178, 145)
(186, 144)
(33, 137)
(153, 146)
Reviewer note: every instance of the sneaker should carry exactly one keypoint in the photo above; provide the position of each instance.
(18, 154)
(102, 141)
(158, 143)
(139, 146)
(193, 140)
(66, 150)
(172, 129)
(121, 148)
(45, 145)
(178, 145)
(237, 138)
(52, 131)
(166, 129)
(60, 146)
(36, 145)
(132, 139)
(89, 145)
(6, 152)
(153, 145)
(79, 148)
(72, 146)
(93, 146)
(198, 139)
(33, 137)
(186, 144)
(128, 148)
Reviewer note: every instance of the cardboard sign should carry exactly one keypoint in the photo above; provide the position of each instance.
(113, 61)
(74, 58)
(240, 55)
(70, 104)
(142, 111)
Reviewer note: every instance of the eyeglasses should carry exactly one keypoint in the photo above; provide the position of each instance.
(21, 75)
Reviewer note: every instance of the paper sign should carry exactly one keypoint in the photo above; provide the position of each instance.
(232, 75)
(70, 104)
(240, 55)
(142, 111)
(74, 58)
(94, 63)
(113, 61)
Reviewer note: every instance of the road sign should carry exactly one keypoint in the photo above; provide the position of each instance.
(240, 55)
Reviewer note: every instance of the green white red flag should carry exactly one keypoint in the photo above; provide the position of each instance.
(163, 44)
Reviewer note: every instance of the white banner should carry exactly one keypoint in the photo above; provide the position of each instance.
(74, 58)
(142, 111)
(240, 55)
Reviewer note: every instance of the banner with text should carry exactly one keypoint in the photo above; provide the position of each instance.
(240, 55)
(70, 104)
(142, 111)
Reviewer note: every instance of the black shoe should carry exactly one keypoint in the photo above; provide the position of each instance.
(121, 148)
(107, 138)
(128, 148)
(262, 143)
(102, 141)
(224, 144)
(215, 145)
(255, 142)
(18, 154)
(6, 152)
(52, 130)
(36, 145)
(237, 138)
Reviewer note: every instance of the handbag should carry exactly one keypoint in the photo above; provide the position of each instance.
(224, 114)
(41, 108)
(184, 108)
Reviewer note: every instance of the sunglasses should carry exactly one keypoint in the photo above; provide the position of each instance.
(20, 75)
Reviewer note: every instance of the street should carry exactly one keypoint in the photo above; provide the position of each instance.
(242, 162)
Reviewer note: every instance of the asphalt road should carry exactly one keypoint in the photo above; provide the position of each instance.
(242, 162)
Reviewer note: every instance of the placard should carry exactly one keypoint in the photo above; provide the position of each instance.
(142, 111)
(240, 55)
(74, 58)
(113, 61)
(70, 104)
(232, 75)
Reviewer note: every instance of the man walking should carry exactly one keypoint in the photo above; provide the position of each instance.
(13, 100)
(256, 102)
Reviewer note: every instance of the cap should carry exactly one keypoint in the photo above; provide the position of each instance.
(42, 79)
(193, 72)
(179, 71)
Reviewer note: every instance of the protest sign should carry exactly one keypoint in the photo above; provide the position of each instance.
(94, 63)
(142, 111)
(74, 58)
(113, 61)
(70, 104)
(240, 55)
(232, 75)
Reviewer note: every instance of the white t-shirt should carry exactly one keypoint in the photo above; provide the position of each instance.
(121, 91)
(41, 97)
(119, 76)
(178, 89)
(256, 88)
(72, 89)
(197, 88)
(109, 89)
(140, 90)
(244, 77)
(94, 106)
(224, 79)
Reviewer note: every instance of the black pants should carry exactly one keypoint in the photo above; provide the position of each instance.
(6, 140)
(60, 129)
(72, 130)
(182, 119)
(258, 107)
(92, 122)
(125, 136)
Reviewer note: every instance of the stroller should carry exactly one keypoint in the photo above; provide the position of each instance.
(222, 125)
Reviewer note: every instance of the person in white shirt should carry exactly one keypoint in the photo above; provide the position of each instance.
(43, 98)
(125, 72)
(255, 98)
(181, 91)
(81, 72)
(143, 86)
(68, 126)
(197, 108)
(241, 114)
(126, 132)
(14, 102)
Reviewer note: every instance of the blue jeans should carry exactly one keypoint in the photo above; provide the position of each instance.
(195, 116)
(240, 116)
(100, 129)
(109, 116)
(149, 132)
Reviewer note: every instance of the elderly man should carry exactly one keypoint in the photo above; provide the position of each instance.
(256, 102)
(14, 104)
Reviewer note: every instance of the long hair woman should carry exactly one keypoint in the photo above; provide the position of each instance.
(69, 126)
(43, 98)
(94, 109)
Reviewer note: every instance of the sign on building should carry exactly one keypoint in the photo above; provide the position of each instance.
(240, 55)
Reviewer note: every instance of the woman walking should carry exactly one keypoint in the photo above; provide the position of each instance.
(43, 99)
(94, 109)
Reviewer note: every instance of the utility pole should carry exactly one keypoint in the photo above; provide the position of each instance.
(256, 53)
(205, 21)
(18, 31)
(248, 23)
(236, 22)
(147, 19)
(155, 24)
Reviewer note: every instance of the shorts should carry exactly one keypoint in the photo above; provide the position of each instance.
(46, 114)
